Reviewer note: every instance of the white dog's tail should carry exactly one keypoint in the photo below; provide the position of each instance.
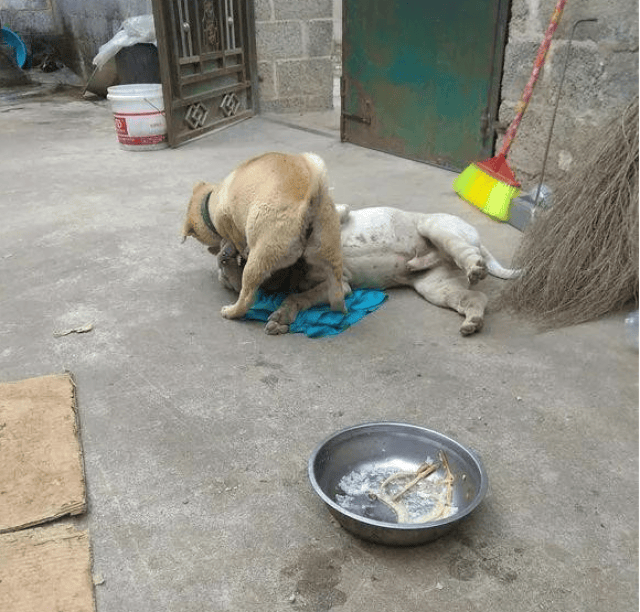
(495, 269)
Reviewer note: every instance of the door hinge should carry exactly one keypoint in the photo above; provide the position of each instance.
(365, 118)
(485, 124)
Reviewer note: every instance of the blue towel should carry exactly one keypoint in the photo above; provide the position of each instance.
(319, 320)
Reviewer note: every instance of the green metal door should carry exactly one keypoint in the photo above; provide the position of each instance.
(421, 77)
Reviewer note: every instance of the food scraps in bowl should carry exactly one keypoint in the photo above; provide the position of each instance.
(419, 496)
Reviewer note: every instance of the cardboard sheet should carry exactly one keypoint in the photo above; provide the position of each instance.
(41, 466)
(46, 568)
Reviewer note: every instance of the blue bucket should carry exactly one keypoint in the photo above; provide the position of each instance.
(13, 40)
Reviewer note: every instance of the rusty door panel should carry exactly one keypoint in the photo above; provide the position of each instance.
(207, 64)
(421, 77)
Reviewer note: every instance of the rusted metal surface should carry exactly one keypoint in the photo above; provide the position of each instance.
(207, 64)
(421, 77)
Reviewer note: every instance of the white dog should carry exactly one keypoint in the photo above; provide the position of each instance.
(439, 255)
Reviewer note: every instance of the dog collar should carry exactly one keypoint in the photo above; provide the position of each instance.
(204, 211)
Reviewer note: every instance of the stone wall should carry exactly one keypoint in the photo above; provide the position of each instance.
(28, 16)
(601, 79)
(294, 40)
(75, 28)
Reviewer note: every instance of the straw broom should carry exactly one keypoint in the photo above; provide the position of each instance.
(580, 258)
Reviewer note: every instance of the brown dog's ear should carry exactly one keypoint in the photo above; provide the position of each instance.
(187, 230)
(213, 250)
(198, 185)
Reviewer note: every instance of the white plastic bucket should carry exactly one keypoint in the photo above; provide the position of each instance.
(138, 113)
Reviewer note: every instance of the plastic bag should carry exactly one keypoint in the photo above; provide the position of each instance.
(631, 327)
(134, 30)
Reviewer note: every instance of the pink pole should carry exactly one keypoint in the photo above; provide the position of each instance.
(528, 90)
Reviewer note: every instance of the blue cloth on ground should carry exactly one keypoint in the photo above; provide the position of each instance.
(319, 320)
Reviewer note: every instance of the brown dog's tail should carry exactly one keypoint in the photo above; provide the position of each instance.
(318, 188)
(319, 205)
(318, 169)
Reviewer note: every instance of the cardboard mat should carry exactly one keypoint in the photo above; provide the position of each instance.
(46, 568)
(42, 479)
(41, 468)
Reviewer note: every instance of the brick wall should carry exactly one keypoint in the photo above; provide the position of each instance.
(601, 79)
(294, 40)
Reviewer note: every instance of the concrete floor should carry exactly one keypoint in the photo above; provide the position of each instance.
(197, 430)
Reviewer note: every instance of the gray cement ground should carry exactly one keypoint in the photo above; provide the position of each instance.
(196, 430)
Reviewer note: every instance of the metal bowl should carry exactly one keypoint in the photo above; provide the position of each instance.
(343, 466)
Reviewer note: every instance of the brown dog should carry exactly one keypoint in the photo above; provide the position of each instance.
(275, 209)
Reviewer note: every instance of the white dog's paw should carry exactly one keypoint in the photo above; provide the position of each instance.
(273, 328)
(426, 262)
(278, 323)
(471, 325)
(476, 271)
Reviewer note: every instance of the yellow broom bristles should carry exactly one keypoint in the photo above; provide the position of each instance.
(489, 194)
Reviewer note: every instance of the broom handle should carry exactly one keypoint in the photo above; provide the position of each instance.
(528, 90)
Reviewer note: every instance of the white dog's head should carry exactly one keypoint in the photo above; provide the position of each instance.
(230, 266)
